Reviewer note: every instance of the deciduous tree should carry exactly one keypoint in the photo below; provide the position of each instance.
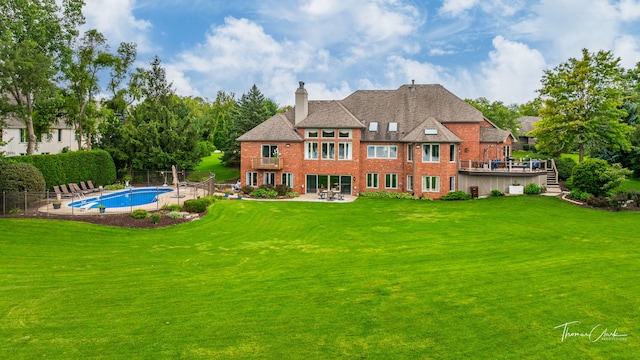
(582, 106)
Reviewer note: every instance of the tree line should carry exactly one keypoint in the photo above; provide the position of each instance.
(51, 72)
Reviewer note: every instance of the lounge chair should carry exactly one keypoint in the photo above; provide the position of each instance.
(61, 193)
(85, 188)
(91, 187)
(76, 189)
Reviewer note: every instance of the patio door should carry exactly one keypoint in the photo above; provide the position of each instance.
(325, 182)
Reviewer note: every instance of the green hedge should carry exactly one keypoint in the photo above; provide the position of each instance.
(73, 167)
(20, 177)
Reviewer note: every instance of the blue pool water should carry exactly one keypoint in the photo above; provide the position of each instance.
(125, 198)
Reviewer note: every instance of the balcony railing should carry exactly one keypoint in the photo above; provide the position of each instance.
(529, 165)
(267, 163)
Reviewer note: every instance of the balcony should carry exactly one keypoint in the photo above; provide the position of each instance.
(529, 166)
(267, 163)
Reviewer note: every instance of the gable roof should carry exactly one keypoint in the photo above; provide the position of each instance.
(276, 128)
(494, 134)
(329, 114)
(526, 124)
(442, 134)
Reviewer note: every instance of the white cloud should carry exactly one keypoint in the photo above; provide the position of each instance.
(627, 48)
(457, 7)
(512, 72)
(115, 19)
(629, 10)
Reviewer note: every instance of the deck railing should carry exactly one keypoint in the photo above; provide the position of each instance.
(267, 163)
(515, 165)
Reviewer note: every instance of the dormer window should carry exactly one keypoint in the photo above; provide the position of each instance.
(373, 126)
(393, 126)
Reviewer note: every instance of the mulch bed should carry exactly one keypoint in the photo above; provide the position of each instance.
(120, 220)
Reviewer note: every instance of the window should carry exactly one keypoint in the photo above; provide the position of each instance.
(393, 126)
(252, 178)
(431, 184)
(409, 182)
(372, 181)
(452, 152)
(391, 181)
(312, 133)
(269, 151)
(344, 151)
(59, 135)
(23, 136)
(382, 152)
(344, 133)
(409, 152)
(328, 151)
(373, 126)
(287, 179)
(507, 152)
(269, 178)
(328, 133)
(311, 150)
(430, 152)
(452, 183)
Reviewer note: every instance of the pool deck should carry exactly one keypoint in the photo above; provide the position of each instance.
(167, 198)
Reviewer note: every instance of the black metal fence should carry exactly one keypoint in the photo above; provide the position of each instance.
(49, 203)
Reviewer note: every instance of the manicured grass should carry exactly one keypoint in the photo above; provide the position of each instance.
(630, 184)
(212, 164)
(387, 279)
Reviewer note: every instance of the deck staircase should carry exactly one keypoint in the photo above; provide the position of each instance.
(553, 187)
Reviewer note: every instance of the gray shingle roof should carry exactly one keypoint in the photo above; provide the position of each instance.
(10, 122)
(276, 128)
(442, 133)
(526, 124)
(410, 107)
(491, 134)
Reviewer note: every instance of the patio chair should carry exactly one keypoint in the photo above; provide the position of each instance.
(76, 189)
(59, 192)
(65, 192)
(85, 188)
(91, 187)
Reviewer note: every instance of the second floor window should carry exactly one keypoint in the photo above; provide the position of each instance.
(430, 152)
(328, 151)
(269, 151)
(311, 150)
(382, 152)
(344, 151)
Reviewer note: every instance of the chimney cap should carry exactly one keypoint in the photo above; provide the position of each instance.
(301, 84)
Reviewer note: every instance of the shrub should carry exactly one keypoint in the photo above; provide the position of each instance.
(114, 187)
(174, 215)
(264, 193)
(292, 194)
(21, 177)
(155, 218)
(388, 195)
(532, 189)
(267, 187)
(595, 176)
(565, 167)
(635, 196)
(196, 205)
(496, 193)
(618, 200)
(172, 207)
(282, 189)
(456, 195)
(247, 189)
(598, 201)
(140, 214)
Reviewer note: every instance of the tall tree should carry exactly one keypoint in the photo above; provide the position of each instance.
(503, 116)
(34, 36)
(253, 109)
(582, 106)
(223, 110)
(81, 71)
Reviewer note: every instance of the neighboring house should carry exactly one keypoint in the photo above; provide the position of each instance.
(14, 134)
(419, 139)
(526, 125)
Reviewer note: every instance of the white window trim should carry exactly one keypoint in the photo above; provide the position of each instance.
(330, 155)
(375, 151)
(308, 150)
(348, 150)
(409, 182)
(431, 146)
(307, 131)
(344, 137)
(428, 189)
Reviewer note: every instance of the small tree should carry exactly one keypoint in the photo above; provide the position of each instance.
(596, 177)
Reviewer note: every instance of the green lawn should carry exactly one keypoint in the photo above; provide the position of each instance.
(212, 164)
(383, 279)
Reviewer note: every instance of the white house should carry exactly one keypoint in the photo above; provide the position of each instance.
(14, 134)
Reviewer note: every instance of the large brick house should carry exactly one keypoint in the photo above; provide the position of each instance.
(414, 139)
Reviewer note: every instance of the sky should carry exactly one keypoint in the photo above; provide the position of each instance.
(497, 49)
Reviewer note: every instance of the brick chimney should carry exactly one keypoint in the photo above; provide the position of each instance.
(302, 103)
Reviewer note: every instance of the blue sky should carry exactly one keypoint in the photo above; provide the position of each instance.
(496, 49)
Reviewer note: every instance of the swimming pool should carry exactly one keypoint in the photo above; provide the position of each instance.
(125, 198)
